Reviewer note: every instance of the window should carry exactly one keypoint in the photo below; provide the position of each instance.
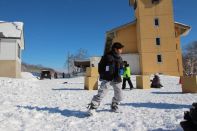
(159, 58)
(158, 41)
(19, 51)
(156, 21)
(155, 1)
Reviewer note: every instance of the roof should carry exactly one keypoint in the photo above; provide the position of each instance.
(46, 70)
(122, 26)
(80, 63)
(185, 29)
(12, 30)
(81, 60)
(131, 2)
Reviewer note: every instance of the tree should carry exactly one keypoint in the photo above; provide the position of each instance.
(190, 58)
(80, 54)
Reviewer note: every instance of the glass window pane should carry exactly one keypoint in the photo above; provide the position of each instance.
(156, 22)
(158, 41)
(159, 58)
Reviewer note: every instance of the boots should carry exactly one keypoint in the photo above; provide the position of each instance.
(92, 108)
(114, 107)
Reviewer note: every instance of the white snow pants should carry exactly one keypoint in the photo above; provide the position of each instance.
(104, 89)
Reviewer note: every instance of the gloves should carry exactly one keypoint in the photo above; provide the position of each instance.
(121, 71)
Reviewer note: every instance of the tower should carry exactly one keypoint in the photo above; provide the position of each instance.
(156, 41)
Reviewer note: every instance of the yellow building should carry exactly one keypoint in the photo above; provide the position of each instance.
(154, 37)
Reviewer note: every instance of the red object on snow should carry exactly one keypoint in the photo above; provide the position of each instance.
(180, 81)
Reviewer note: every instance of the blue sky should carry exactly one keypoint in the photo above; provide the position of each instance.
(55, 27)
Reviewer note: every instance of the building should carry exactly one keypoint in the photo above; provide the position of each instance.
(94, 61)
(82, 64)
(152, 40)
(11, 44)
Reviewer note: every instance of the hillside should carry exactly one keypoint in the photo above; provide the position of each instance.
(34, 68)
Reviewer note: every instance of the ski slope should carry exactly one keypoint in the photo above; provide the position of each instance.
(29, 104)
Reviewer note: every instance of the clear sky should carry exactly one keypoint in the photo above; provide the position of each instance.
(55, 27)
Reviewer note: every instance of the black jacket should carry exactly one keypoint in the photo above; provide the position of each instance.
(156, 83)
(109, 67)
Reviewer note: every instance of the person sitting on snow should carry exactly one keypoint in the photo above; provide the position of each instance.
(156, 82)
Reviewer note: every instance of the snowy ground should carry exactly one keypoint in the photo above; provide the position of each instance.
(32, 105)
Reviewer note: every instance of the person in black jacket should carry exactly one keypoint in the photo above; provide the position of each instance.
(63, 75)
(110, 69)
(55, 75)
(156, 83)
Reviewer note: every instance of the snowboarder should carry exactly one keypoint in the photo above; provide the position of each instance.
(110, 67)
(127, 76)
(156, 82)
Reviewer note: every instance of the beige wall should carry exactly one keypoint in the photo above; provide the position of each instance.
(18, 69)
(127, 36)
(147, 33)
(145, 7)
(179, 52)
(140, 37)
(151, 65)
(10, 69)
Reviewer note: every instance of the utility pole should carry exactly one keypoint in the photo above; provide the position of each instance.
(68, 63)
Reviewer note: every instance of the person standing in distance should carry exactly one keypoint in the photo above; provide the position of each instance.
(127, 76)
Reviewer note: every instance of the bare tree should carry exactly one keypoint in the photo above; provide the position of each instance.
(70, 63)
(190, 58)
(80, 54)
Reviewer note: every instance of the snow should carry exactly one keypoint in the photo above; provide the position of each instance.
(28, 76)
(32, 105)
(19, 25)
(11, 29)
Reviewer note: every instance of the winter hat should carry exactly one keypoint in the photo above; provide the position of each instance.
(117, 45)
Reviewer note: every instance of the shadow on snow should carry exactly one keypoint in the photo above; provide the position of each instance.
(160, 129)
(166, 93)
(157, 105)
(68, 83)
(56, 110)
(67, 89)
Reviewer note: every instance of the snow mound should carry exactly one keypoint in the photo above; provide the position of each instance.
(19, 25)
(28, 76)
